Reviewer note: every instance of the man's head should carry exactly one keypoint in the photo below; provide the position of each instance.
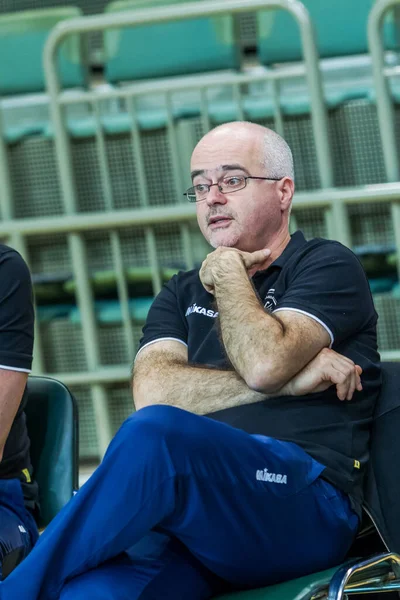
(256, 216)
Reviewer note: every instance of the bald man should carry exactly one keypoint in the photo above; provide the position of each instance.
(243, 463)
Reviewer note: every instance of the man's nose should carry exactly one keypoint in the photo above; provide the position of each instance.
(214, 196)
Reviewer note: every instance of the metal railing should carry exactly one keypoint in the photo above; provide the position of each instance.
(386, 113)
(117, 221)
(73, 222)
(75, 225)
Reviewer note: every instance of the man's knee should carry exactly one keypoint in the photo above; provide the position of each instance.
(155, 422)
(152, 430)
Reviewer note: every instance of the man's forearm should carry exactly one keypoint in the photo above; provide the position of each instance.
(247, 331)
(199, 390)
(265, 350)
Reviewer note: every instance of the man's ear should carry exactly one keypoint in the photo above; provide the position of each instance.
(286, 188)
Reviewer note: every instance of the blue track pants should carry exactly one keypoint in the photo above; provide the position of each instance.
(18, 531)
(183, 507)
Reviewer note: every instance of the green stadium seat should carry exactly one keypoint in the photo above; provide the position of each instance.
(52, 421)
(168, 49)
(24, 104)
(339, 31)
(106, 280)
(22, 39)
(296, 589)
(376, 573)
(107, 311)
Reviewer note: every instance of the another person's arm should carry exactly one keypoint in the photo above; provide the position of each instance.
(16, 337)
(12, 386)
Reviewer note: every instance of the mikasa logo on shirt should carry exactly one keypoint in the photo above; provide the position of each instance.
(201, 311)
(264, 475)
(270, 300)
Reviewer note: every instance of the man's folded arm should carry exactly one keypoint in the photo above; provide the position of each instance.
(326, 302)
(162, 375)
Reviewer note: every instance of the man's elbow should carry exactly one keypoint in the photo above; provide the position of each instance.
(266, 377)
(143, 394)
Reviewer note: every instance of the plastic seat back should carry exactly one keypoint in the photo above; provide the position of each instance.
(168, 49)
(341, 30)
(52, 421)
(383, 488)
(22, 39)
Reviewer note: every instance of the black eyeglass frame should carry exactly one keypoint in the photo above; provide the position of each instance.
(210, 185)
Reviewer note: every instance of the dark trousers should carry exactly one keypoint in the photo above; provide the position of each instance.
(186, 507)
(18, 532)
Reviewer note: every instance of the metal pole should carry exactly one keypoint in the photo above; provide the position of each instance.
(5, 178)
(383, 101)
(186, 212)
(84, 294)
(192, 10)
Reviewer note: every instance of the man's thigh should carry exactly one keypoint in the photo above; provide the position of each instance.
(157, 567)
(254, 510)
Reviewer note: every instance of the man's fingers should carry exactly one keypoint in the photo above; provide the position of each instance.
(346, 377)
(336, 377)
(350, 381)
(358, 378)
(352, 384)
(255, 258)
(353, 373)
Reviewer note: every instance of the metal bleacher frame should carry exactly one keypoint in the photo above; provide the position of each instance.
(385, 105)
(333, 201)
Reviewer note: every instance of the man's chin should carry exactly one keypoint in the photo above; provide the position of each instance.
(220, 241)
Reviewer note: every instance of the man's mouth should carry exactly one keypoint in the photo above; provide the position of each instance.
(218, 221)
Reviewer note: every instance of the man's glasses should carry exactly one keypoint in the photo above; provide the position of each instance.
(226, 186)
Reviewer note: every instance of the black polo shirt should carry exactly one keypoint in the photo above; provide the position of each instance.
(16, 345)
(324, 280)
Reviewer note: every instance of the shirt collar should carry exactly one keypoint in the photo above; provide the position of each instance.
(297, 240)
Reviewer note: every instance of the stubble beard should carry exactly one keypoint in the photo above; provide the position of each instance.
(228, 241)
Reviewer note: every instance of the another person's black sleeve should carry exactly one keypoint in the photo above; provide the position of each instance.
(16, 313)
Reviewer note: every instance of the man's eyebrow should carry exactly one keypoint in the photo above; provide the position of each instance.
(233, 167)
(194, 174)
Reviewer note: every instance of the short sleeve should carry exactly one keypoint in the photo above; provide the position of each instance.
(16, 313)
(165, 319)
(329, 284)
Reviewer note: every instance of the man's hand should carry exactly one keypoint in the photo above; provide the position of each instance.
(224, 258)
(326, 369)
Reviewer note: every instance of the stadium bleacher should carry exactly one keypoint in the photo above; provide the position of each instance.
(129, 125)
(96, 165)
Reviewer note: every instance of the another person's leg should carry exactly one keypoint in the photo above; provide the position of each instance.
(18, 532)
(158, 567)
(252, 510)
